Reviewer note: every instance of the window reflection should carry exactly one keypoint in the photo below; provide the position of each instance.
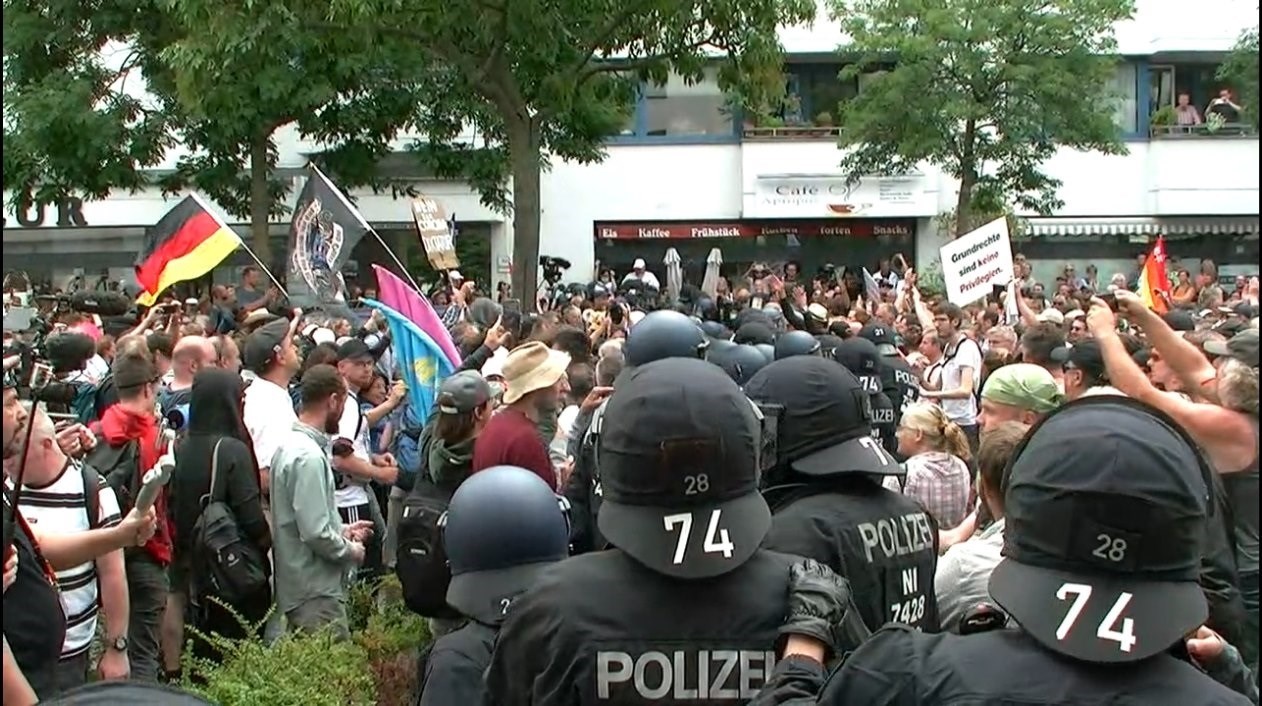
(677, 108)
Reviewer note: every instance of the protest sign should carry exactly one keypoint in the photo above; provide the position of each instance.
(976, 261)
(435, 232)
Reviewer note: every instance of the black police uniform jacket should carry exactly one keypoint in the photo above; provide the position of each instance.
(899, 383)
(603, 629)
(452, 672)
(882, 542)
(885, 422)
(898, 666)
(583, 489)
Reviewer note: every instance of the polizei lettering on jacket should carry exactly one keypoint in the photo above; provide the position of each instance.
(682, 675)
(897, 536)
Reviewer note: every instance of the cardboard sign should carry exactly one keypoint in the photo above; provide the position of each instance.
(435, 232)
(976, 261)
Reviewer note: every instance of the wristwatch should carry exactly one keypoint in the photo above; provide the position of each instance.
(119, 644)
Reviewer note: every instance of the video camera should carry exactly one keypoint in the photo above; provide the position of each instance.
(553, 268)
(99, 303)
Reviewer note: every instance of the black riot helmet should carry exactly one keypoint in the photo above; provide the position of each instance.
(664, 334)
(504, 526)
(740, 362)
(716, 330)
(768, 351)
(793, 343)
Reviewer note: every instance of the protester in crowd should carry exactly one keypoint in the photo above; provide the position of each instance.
(936, 471)
(59, 495)
(1020, 392)
(536, 385)
(214, 463)
(268, 413)
(963, 574)
(189, 355)
(314, 553)
(961, 371)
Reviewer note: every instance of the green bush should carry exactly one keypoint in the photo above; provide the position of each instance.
(391, 636)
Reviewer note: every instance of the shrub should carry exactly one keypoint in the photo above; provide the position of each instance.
(297, 670)
(391, 636)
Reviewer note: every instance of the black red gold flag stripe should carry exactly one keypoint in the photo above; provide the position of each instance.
(186, 244)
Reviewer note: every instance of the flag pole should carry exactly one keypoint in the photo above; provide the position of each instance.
(367, 226)
(241, 242)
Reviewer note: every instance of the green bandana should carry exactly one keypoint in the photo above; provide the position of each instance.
(1023, 386)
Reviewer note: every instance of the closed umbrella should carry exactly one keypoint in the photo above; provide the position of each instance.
(710, 283)
(674, 274)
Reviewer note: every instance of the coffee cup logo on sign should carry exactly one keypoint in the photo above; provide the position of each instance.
(435, 232)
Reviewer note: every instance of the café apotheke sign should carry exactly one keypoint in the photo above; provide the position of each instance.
(830, 196)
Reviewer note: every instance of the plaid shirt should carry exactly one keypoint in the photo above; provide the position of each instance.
(940, 482)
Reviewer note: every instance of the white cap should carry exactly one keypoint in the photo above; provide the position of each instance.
(455, 274)
(323, 335)
(1052, 316)
(494, 366)
(638, 264)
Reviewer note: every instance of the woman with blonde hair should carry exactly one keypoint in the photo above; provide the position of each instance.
(937, 454)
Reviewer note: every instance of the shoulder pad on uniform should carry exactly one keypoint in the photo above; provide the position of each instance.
(983, 617)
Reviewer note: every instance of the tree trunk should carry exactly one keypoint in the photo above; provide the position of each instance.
(968, 178)
(260, 200)
(524, 145)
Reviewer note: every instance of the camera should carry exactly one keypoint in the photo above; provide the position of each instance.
(553, 268)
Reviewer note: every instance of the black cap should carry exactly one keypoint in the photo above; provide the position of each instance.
(882, 337)
(354, 350)
(1109, 528)
(826, 426)
(463, 392)
(679, 470)
(1084, 355)
(262, 345)
(1180, 320)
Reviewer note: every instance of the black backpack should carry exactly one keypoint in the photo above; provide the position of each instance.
(225, 564)
(120, 467)
(421, 561)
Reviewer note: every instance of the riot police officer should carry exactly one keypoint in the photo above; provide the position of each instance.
(504, 527)
(1102, 548)
(898, 382)
(660, 334)
(740, 361)
(791, 343)
(859, 356)
(827, 497)
(687, 606)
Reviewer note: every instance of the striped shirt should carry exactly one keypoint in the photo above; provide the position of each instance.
(61, 507)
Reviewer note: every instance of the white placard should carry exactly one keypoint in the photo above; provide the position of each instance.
(976, 261)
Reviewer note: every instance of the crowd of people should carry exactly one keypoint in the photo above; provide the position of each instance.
(777, 489)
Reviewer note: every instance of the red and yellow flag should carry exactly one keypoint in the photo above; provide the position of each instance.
(186, 244)
(1153, 282)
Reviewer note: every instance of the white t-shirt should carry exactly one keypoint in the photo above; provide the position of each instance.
(61, 508)
(269, 416)
(353, 426)
(964, 354)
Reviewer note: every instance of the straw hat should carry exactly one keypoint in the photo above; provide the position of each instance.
(532, 366)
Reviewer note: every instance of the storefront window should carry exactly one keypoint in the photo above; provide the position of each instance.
(812, 244)
(680, 109)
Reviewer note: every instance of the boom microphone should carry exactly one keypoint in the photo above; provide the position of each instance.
(100, 303)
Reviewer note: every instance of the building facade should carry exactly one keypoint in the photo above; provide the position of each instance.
(686, 175)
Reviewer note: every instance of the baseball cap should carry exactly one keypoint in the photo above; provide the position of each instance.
(1104, 536)
(354, 350)
(463, 392)
(1051, 316)
(1242, 346)
(1180, 320)
(882, 336)
(455, 276)
(263, 344)
(826, 425)
(638, 264)
(1084, 355)
(679, 476)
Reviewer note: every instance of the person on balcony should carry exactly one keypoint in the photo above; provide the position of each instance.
(1186, 114)
(1224, 107)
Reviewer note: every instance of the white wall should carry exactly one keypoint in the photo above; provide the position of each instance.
(636, 184)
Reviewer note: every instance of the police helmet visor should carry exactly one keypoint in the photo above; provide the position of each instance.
(486, 596)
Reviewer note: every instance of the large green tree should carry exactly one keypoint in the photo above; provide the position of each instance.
(1240, 70)
(985, 90)
(97, 93)
(546, 79)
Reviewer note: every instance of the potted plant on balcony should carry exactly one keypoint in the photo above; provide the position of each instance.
(1162, 120)
(824, 121)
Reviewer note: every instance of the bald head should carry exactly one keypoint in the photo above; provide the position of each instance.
(191, 354)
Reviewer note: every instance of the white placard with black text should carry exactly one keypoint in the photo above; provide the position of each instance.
(977, 261)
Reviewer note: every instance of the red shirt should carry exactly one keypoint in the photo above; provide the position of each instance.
(512, 439)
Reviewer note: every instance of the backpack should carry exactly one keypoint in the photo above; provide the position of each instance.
(408, 446)
(120, 467)
(225, 565)
(421, 560)
(91, 495)
(84, 404)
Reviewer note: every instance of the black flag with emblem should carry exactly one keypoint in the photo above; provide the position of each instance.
(324, 230)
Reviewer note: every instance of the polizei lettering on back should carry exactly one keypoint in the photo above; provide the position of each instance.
(682, 675)
(897, 536)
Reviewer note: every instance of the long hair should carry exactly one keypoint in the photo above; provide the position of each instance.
(940, 433)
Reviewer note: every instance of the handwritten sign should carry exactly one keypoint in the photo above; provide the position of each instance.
(976, 261)
(435, 232)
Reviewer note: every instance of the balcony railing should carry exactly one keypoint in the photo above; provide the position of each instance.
(796, 132)
(1203, 130)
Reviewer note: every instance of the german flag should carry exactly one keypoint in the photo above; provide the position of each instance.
(186, 244)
